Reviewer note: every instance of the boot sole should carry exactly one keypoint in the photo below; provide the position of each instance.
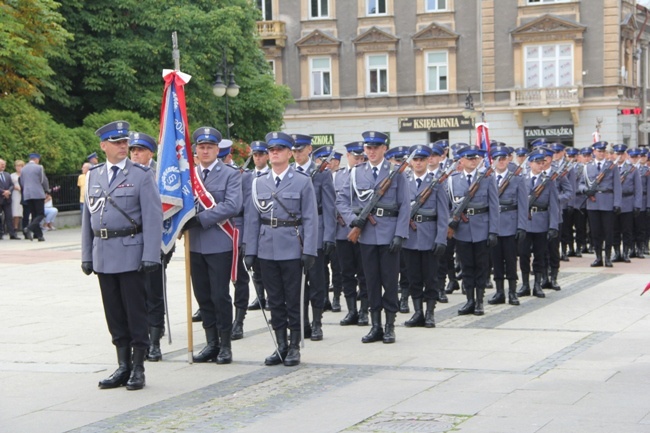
(135, 388)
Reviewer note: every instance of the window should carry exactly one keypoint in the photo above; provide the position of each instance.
(549, 66)
(266, 8)
(376, 7)
(435, 5)
(436, 71)
(321, 76)
(319, 9)
(272, 66)
(377, 77)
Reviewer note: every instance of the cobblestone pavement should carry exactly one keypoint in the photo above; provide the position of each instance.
(578, 361)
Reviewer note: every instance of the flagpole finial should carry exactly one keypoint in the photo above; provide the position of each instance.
(176, 55)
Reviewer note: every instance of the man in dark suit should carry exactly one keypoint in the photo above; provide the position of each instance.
(6, 188)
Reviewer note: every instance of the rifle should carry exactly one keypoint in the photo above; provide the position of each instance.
(592, 189)
(323, 165)
(423, 196)
(624, 175)
(382, 188)
(242, 168)
(458, 214)
(510, 175)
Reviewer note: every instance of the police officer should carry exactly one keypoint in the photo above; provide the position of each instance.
(349, 254)
(34, 186)
(601, 183)
(513, 202)
(478, 231)
(92, 159)
(427, 239)
(121, 231)
(324, 190)
(631, 198)
(211, 248)
(640, 220)
(382, 242)
(569, 215)
(142, 147)
(283, 234)
(580, 204)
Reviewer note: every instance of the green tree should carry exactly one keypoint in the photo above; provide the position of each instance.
(31, 34)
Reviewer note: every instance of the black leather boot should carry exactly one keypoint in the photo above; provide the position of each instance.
(257, 304)
(376, 333)
(404, 302)
(429, 320)
(136, 381)
(608, 262)
(238, 324)
(537, 286)
(389, 330)
(417, 320)
(317, 324)
(626, 255)
(155, 334)
(352, 318)
(452, 286)
(336, 300)
(327, 306)
(524, 290)
(599, 259)
(579, 249)
(283, 347)
(363, 313)
(196, 317)
(225, 348)
(546, 282)
(442, 296)
(293, 355)
(469, 306)
(499, 297)
(563, 255)
(478, 308)
(572, 252)
(617, 258)
(554, 284)
(120, 376)
(640, 253)
(512, 292)
(211, 350)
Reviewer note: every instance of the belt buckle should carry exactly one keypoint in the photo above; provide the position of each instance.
(470, 211)
(274, 222)
(379, 212)
(103, 233)
(533, 209)
(418, 218)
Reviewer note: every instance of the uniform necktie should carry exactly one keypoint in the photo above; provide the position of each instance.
(419, 182)
(277, 181)
(258, 173)
(205, 173)
(374, 172)
(533, 183)
(599, 166)
(300, 169)
(2, 176)
(469, 179)
(115, 168)
(499, 180)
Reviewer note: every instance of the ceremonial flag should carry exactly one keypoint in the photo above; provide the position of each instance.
(595, 136)
(175, 162)
(483, 140)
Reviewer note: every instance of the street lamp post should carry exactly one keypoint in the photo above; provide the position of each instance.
(469, 113)
(220, 89)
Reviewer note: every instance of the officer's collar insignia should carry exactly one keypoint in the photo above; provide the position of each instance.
(290, 175)
(125, 171)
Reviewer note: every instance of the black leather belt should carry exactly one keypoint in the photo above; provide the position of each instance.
(604, 191)
(507, 208)
(108, 234)
(239, 215)
(628, 194)
(475, 210)
(274, 222)
(320, 211)
(383, 212)
(425, 218)
(534, 209)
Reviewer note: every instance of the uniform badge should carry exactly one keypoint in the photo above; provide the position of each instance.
(136, 135)
(92, 201)
(263, 203)
(125, 171)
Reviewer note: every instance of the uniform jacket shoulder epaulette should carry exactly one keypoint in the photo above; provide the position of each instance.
(97, 166)
(143, 167)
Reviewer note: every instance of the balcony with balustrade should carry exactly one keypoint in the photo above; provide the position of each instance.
(272, 33)
(546, 99)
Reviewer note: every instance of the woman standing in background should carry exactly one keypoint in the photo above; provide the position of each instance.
(16, 207)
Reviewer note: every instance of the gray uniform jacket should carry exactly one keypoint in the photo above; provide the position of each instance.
(631, 189)
(296, 193)
(545, 211)
(436, 205)
(34, 182)
(395, 199)
(579, 198)
(341, 176)
(135, 192)
(480, 225)
(239, 220)
(325, 198)
(224, 183)
(608, 194)
(514, 196)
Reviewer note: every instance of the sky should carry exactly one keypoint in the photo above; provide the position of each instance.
(645, 3)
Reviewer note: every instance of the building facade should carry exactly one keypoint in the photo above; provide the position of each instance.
(422, 70)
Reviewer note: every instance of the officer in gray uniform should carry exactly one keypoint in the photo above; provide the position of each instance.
(316, 291)
(121, 231)
(349, 254)
(478, 232)
(604, 201)
(380, 243)
(427, 239)
(513, 217)
(34, 186)
(640, 221)
(283, 233)
(631, 203)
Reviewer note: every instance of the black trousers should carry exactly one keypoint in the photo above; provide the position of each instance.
(403, 274)
(381, 269)
(125, 308)
(580, 224)
(352, 275)
(333, 278)
(600, 222)
(36, 209)
(5, 208)
(474, 258)
(640, 226)
(623, 226)
(566, 236)
(211, 282)
(242, 288)
(504, 258)
(554, 251)
(537, 243)
(422, 268)
(315, 288)
(282, 280)
(155, 293)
